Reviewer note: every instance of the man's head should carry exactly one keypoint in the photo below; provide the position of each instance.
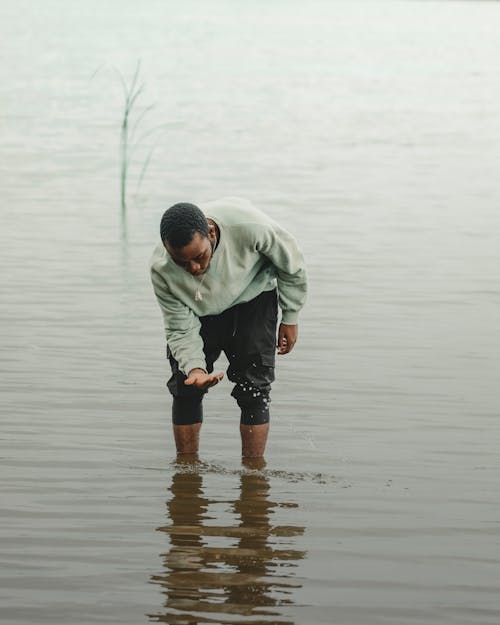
(188, 237)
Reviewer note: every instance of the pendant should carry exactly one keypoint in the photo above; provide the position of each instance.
(197, 296)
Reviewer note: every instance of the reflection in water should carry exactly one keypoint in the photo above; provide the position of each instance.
(246, 576)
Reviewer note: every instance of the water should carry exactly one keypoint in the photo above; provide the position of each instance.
(370, 130)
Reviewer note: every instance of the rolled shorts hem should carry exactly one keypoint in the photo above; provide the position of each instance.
(187, 410)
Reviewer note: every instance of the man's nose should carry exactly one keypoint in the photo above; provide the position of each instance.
(194, 267)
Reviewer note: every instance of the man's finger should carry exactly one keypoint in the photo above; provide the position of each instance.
(218, 376)
(195, 380)
(286, 347)
(213, 380)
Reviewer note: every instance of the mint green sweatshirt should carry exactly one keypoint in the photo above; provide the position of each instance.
(254, 254)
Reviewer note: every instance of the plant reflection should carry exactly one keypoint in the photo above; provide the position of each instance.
(241, 571)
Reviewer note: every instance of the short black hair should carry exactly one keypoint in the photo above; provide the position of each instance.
(180, 223)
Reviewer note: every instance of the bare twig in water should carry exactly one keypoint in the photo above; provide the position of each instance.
(131, 93)
(129, 130)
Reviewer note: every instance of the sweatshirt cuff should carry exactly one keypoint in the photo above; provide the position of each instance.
(194, 364)
(289, 317)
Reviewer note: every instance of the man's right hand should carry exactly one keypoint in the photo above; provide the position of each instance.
(201, 379)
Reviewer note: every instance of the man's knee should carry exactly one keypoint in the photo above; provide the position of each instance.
(187, 405)
(253, 400)
(187, 410)
(254, 414)
(252, 386)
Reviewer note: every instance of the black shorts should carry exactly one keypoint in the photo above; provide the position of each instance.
(246, 333)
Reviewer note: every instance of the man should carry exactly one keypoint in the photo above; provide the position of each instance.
(218, 275)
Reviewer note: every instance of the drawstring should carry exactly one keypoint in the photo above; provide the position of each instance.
(235, 321)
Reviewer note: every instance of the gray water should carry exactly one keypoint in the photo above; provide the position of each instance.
(369, 129)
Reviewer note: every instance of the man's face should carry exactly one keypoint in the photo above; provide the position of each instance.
(193, 257)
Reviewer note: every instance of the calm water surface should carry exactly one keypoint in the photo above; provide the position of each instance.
(370, 129)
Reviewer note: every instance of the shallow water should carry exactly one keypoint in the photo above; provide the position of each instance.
(369, 129)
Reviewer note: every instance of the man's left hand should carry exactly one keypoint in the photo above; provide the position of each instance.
(287, 337)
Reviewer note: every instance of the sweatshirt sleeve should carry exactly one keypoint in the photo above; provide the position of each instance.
(182, 327)
(281, 248)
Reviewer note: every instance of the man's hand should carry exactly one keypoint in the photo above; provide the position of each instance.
(287, 337)
(202, 379)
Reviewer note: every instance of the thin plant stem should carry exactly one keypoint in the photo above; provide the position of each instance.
(128, 131)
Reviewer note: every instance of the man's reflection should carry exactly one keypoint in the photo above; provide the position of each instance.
(241, 579)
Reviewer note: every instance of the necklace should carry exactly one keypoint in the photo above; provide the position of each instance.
(198, 297)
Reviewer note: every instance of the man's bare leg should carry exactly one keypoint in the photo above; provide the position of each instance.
(187, 438)
(253, 440)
